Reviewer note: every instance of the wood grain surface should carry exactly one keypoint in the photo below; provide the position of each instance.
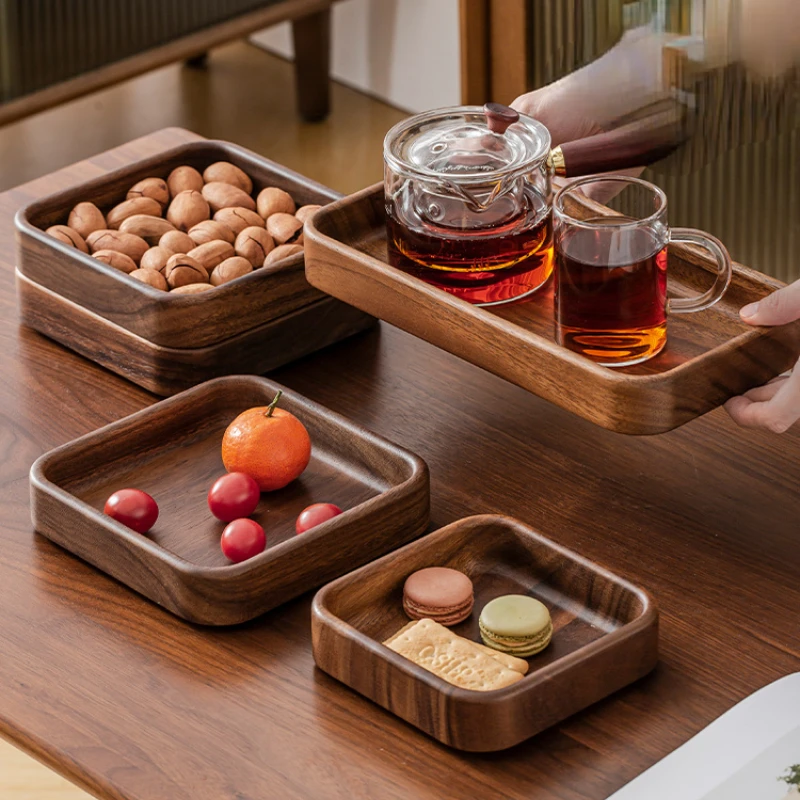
(172, 451)
(133, 704)
(710, 356)
(605, 633)
(168, 370)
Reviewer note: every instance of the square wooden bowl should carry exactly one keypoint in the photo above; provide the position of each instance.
(189, 321)
(172, 451)
(605, 633)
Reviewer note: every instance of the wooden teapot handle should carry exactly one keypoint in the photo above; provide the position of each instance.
(635, 144)
(652, 134)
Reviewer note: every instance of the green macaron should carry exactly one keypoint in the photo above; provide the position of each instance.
(516, 624)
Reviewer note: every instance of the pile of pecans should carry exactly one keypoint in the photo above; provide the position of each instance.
(190, 232)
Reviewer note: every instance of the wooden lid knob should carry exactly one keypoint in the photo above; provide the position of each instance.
(499, 117)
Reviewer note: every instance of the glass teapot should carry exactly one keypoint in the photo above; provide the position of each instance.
(468, 195)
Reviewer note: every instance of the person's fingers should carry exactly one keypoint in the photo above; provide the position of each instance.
(531, 101)
(767, 416)
(776, 414)
(553, 106)
(776, 309)
(603, 192)
(527, 104)
(763, 393)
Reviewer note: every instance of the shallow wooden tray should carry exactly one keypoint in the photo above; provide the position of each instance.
(605, 633)
(710, 357)
(169, 370)
(167, 320)
(172, 451)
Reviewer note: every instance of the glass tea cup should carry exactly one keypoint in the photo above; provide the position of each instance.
(611, 299)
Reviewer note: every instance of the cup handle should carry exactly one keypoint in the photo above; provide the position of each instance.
(688, 305)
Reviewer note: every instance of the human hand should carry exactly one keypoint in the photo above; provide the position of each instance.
(776, 405)
(622, 81)
(556, 107)
(560, 109)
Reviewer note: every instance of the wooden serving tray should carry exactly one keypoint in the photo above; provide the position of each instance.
(172, 451)
(190, 321)
(605, 633)
(710, 357)
(168, 370)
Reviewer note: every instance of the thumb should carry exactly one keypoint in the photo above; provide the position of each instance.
(776, 309)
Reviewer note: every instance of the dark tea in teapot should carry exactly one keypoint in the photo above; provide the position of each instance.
(483, 267)
(468, 202)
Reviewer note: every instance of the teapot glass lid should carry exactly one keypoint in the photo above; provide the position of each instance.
(467, 143)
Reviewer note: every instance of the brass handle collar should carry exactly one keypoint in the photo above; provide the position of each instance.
(556, 162)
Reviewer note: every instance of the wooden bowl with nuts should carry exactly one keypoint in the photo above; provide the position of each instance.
(185, 249)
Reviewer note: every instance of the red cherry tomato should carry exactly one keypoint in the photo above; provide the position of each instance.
(133, 508)
(315, 515)
(243, 539)
(233, 496)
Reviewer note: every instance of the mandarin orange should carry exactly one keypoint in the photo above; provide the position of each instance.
(267, 443)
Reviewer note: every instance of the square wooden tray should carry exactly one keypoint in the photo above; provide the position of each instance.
(168, 370)
(605, 633)
(190, 321)
(710, 357)
(172, 451)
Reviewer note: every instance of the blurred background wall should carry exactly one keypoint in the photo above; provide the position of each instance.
(405, 52)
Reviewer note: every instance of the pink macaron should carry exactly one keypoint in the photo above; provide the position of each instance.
(439, 593)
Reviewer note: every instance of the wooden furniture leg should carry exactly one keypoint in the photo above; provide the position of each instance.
(312, 38)
(200, 61)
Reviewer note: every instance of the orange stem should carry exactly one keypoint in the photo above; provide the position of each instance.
(271, 407)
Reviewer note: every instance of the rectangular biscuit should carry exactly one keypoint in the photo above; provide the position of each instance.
(511, 662)
(452, 658)
(508, 661)
(402, 630)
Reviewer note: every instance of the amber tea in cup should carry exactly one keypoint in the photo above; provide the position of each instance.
(611, 299)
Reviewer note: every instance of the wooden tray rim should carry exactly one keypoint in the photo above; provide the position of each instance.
(22, 218)
(506, 328)
(648, 617)
(223, 573)
(147, 344)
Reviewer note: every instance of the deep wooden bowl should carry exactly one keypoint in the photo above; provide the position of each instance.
(189, 321)
(606, 633)
(172, 451)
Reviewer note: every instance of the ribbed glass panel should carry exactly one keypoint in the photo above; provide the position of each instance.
(749, 197)
(738, 177)
(566, 34)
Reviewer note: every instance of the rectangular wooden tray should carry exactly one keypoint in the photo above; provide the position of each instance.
(168, 370)
(189, 321)
(605, 633)
(710, 357)
(172, 451)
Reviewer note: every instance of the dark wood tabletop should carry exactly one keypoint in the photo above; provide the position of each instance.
(131, 703)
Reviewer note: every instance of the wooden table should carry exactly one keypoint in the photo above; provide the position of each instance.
(134, 704)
